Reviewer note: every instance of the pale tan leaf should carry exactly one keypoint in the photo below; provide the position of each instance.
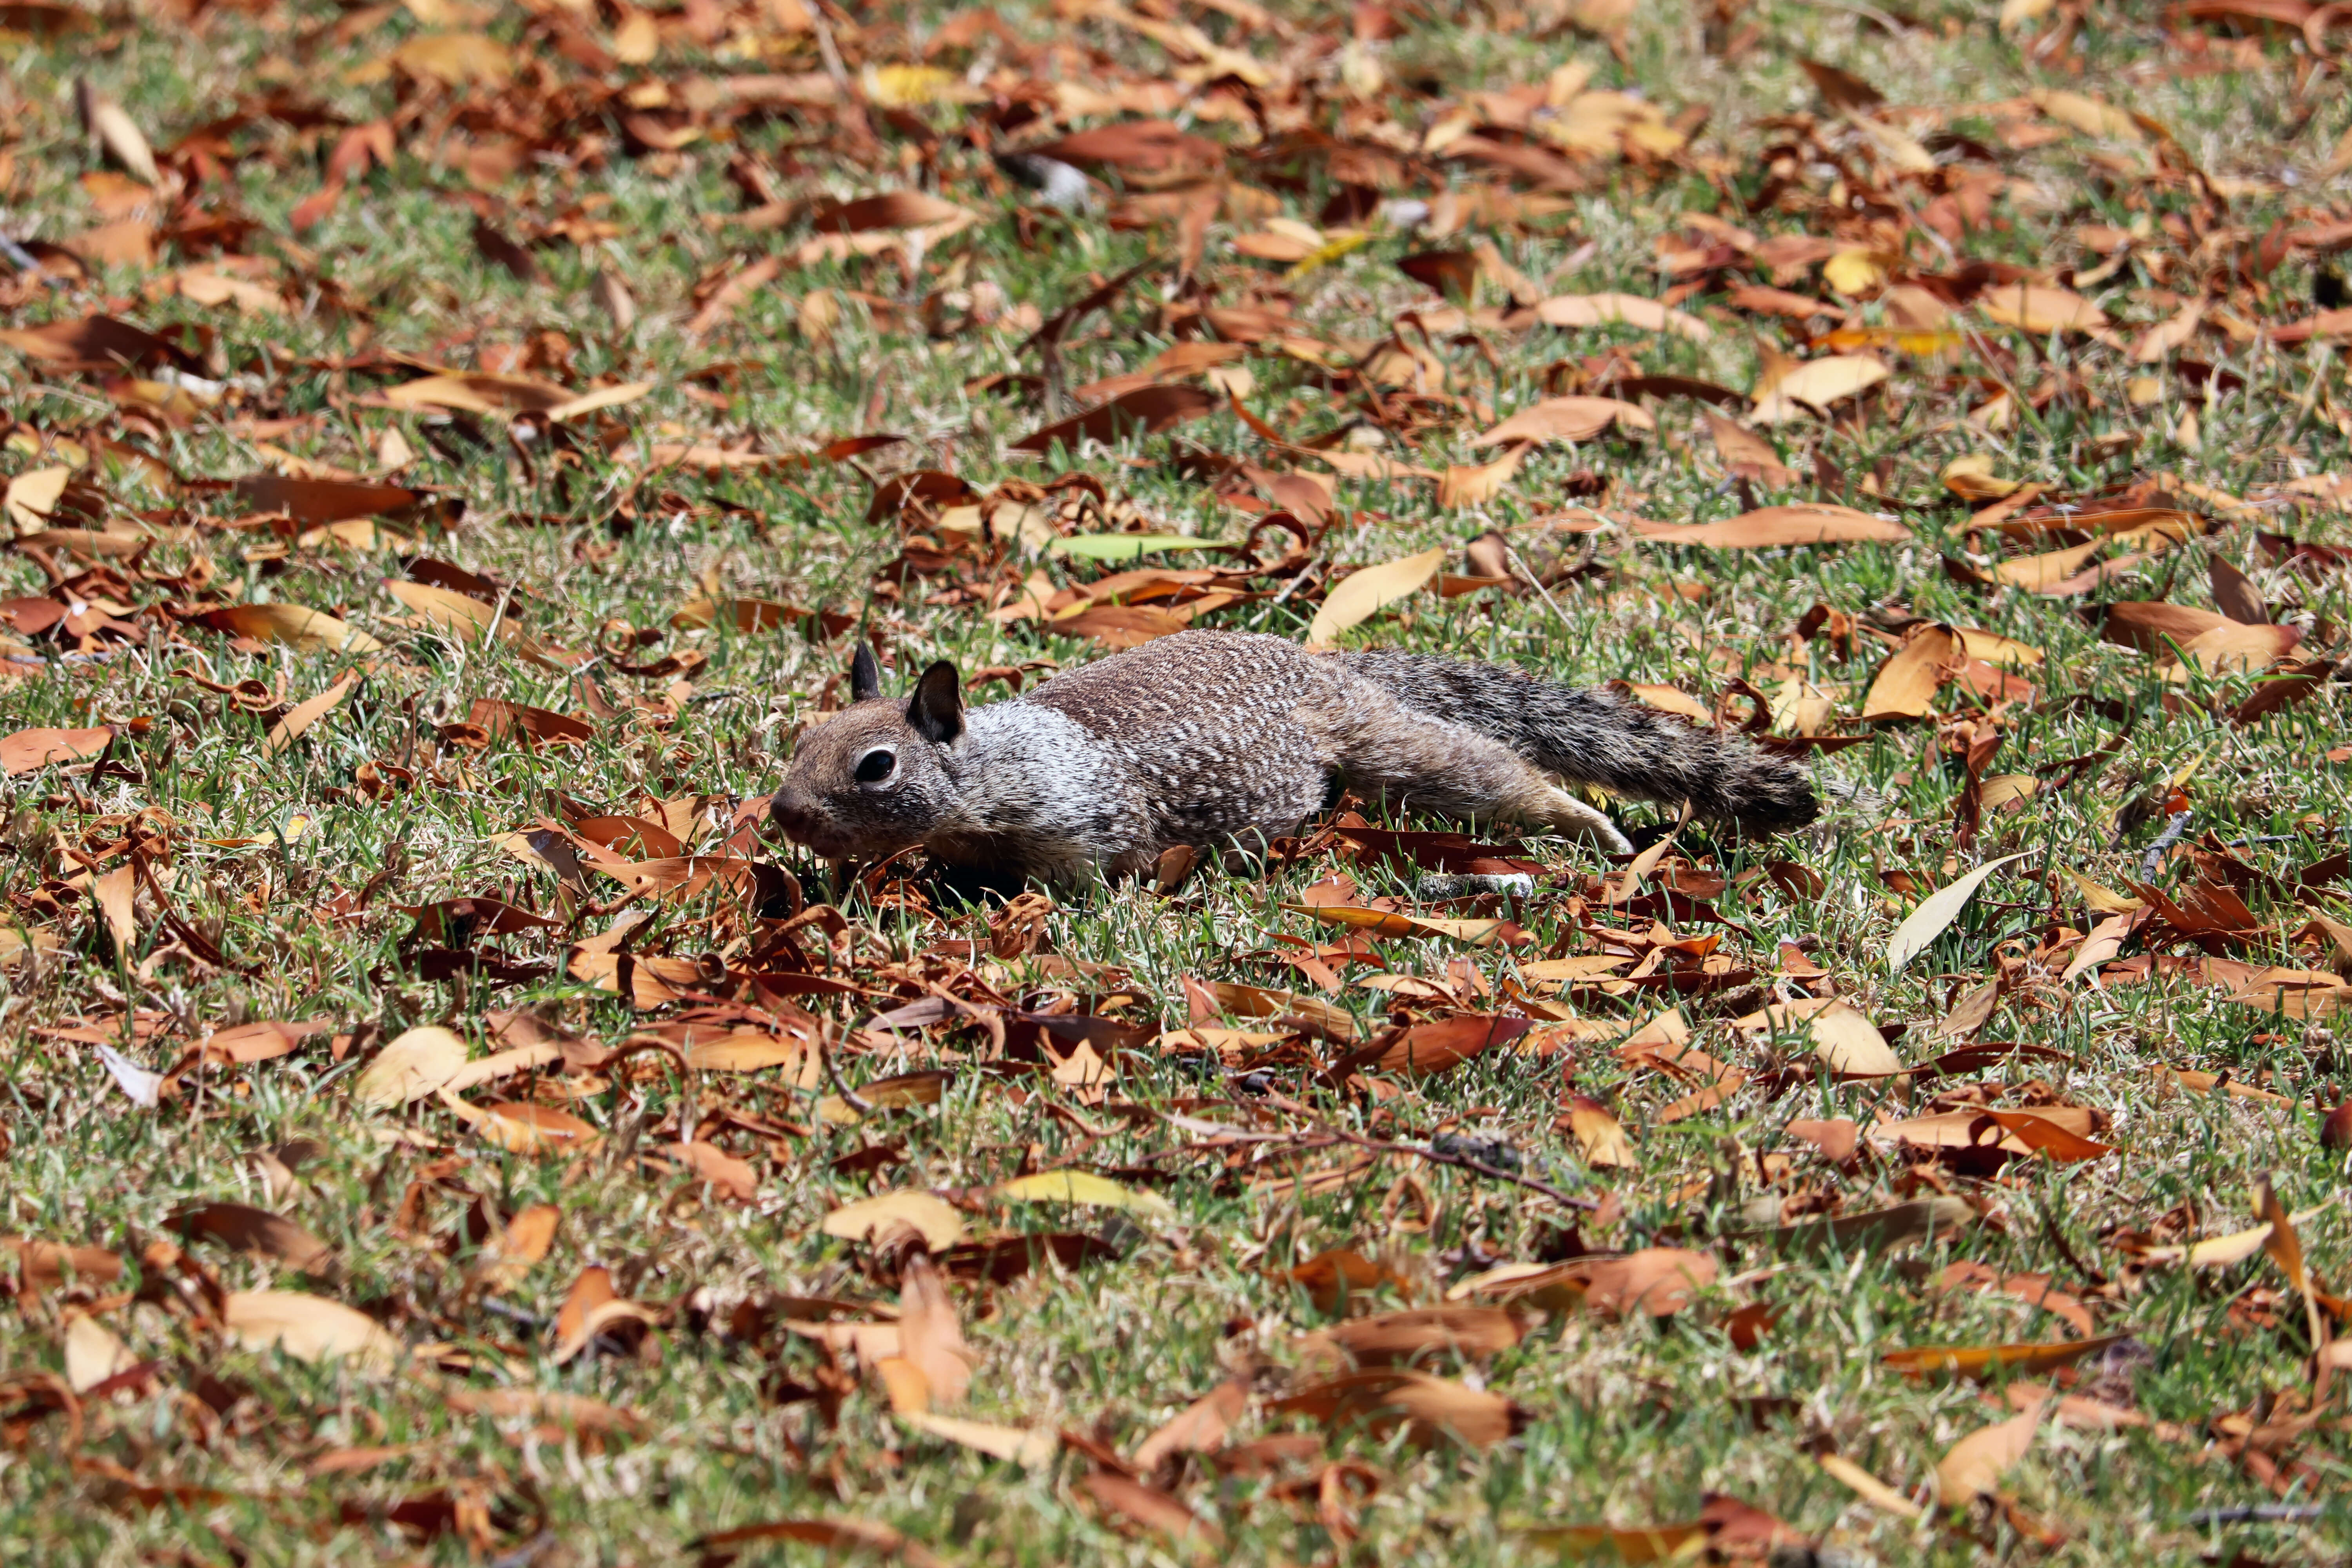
(1975, 1465)
(413, 1065)
(2041, 310)
(308, 1328)
(886, 1215)
(1938, 909)
(1773, 526)
(1477, 483)
(116, 892)
(33, 495)
(92, 1352)
(304, 714)
(1029, 1447)
(1363, 593)
(1568, 419)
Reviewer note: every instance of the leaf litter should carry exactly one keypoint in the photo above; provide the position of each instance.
(445, 470)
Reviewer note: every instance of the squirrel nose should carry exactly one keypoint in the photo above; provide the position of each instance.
(792, 813)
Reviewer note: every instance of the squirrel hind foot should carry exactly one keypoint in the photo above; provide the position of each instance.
(1576, 819)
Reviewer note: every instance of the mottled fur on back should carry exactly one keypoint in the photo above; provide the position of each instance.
(1208, 738)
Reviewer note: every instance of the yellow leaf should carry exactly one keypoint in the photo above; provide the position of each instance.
(1363, 593)
(1082, 1187)
(1855, 269)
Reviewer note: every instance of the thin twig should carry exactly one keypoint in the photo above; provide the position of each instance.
(1512, 556)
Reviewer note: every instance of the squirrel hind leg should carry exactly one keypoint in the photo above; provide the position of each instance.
(1577, 819)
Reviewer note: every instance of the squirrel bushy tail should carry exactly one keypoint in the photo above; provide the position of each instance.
(1594, 737)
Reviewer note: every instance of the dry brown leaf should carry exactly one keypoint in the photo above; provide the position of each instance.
(1905, 685)
(1198, 1429)
(1429, 1408)
(257, 1232)
(1568, 419)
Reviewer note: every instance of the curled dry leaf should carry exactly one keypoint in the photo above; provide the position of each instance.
(1430, 1409)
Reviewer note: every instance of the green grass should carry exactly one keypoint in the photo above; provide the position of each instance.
(1630, 1422)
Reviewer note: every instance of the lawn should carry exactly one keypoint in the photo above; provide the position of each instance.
(451, 451)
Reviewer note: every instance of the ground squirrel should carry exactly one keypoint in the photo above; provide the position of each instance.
(1206, 738)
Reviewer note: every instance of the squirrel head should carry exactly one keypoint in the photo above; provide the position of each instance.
(869, 782)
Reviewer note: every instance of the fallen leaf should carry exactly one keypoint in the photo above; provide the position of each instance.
(1920, 929)
(308, 1328)
(1775, 527)
(412, 1066)
(1361, 595)
(878, 1218)
(292, 625)
(1974, 1466)
(1082, 1187)
(29, 749)
(1567, 419)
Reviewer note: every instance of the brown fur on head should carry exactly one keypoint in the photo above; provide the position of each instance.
(869, 782)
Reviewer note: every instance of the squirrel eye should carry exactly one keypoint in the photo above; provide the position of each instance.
(875, 766)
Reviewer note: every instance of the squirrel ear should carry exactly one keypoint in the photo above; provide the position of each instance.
(935, 711)
(865, 676)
